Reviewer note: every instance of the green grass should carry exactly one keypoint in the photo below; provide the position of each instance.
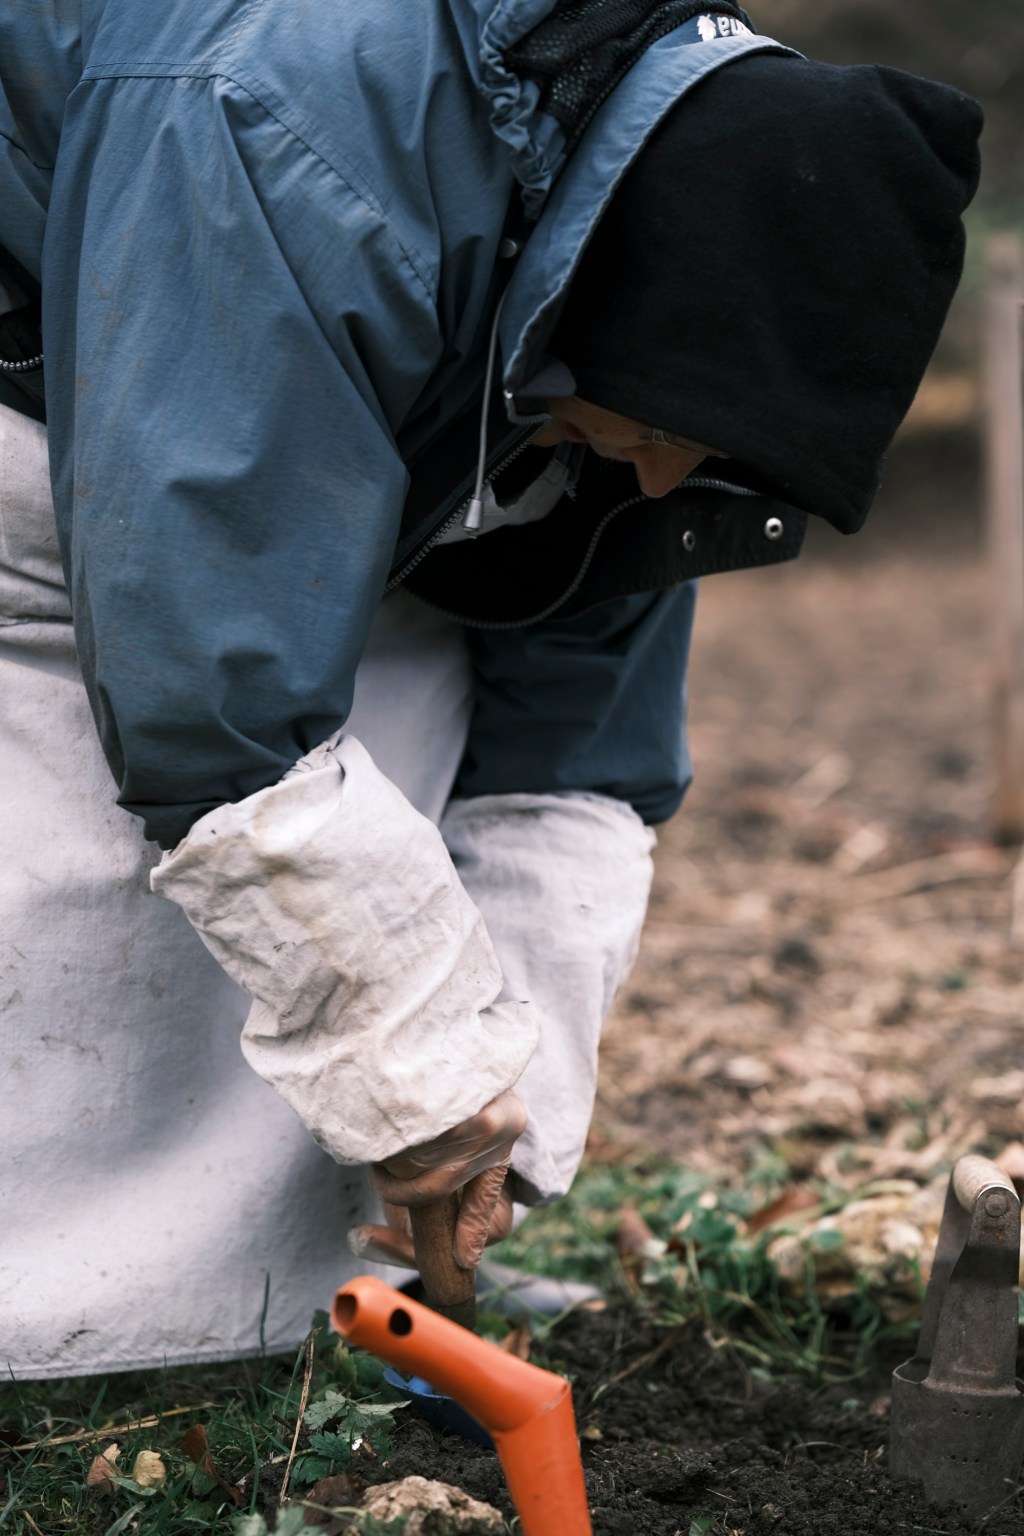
(249, 1410)
(703, 1267)
(700, 1267)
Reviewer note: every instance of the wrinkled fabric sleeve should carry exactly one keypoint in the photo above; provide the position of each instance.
(596, 702)
(375, 986)
(235, 333)
(562, 883)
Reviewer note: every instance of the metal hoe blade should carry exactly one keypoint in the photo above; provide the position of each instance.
(957, 1406)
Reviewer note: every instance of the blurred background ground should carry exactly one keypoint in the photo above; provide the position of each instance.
(828, 972)
(829, 980)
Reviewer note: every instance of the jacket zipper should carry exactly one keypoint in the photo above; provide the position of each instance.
(459, 512)
(23, 367)
(573, 586)
(709, 483)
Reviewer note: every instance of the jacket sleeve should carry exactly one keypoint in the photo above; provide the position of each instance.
(234, 336)
(595, 703)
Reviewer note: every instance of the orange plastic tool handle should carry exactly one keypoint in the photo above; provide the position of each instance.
(527, 1411)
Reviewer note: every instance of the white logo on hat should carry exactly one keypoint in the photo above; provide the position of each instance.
(711, 28)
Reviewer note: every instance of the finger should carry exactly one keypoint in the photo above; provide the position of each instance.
(382, 1245)
(431, 1184)
(397, 1218)
(421, 1189)
(485, 1216)
(434, 1183)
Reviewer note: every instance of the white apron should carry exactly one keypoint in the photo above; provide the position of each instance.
(159, 1202)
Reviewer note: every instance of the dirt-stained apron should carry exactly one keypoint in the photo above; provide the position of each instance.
(158, 1202)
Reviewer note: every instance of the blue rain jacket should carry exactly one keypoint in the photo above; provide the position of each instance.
(268, 238)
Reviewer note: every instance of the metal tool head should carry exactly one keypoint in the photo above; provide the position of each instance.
(957, 1407)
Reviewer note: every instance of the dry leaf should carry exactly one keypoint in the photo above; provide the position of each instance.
(633, 1237)
(196, 1447)
(1007, 1088)
(748, 1072)
(829, 774)
(832, 1104)
(195, 1444)
(148, 1470)
(517, 1342)
(888, 1241)
(797, 1198)
(332, 1493)
(859, 849)
(635, 1242)
(102, 1468)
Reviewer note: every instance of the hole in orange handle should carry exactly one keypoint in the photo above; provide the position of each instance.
(345, 1309)
(400, 1322)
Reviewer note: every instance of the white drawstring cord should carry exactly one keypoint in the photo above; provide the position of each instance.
(473, 520)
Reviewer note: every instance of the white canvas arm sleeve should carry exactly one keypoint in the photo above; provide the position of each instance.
(375, 986)
(562, 882)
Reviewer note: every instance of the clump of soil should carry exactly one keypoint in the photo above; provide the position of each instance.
(675, 1431)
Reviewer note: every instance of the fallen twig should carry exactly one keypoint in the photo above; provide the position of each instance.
(304, 1398)
(923, 875)
(818, 1445)
(650, 1358)
(85, 1435)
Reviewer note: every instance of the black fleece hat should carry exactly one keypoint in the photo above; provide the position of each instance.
(773, 272)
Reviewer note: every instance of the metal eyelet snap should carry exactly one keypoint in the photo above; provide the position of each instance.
(689, 540)
(773, 528)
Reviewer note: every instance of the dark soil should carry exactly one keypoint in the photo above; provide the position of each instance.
(674, 1432)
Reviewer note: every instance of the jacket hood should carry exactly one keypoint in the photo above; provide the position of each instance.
(546, 69)
(621, 118)
(773, 274)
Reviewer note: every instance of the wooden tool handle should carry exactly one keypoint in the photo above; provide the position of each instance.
(450, 1290)
(974, 1176)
